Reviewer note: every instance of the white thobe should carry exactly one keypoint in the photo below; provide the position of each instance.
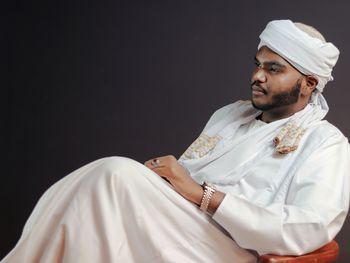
(117, 210)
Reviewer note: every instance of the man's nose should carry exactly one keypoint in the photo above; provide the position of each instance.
(259, 75)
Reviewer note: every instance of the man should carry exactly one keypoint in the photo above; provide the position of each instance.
(265, 176)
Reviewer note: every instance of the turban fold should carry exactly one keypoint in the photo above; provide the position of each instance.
(311, 56)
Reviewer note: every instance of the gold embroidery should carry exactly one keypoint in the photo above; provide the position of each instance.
(288, 138)
(201, 146)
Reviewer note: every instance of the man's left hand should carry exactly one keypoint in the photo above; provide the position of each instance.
(169, 168)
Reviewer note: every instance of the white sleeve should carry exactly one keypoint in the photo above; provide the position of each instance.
(313, 213)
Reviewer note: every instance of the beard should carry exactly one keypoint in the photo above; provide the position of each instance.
(281, 99)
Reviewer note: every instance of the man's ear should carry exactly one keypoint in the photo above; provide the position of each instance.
(310, 83)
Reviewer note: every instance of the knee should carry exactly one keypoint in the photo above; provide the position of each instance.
(117, 164)
(118, 168)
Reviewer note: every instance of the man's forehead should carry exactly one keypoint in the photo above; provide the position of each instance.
(265, 54)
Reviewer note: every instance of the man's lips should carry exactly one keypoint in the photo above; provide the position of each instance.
(258, 90)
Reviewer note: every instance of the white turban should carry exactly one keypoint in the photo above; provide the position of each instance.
(309, 55)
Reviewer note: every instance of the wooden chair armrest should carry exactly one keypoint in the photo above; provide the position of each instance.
(325, 254)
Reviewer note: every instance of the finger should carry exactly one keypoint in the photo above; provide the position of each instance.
(161, 172)
(148, 164)
(152, 160)
(155, 162)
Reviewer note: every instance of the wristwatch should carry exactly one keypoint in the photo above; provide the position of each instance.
(208, 192)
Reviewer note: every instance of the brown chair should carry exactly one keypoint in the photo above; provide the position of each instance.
(325, 254)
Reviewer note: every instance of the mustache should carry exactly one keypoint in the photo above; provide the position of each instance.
(257, 86)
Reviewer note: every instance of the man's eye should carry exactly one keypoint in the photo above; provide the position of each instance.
(274, 69)
(257, 64)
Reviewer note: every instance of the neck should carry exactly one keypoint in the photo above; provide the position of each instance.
(281, 112)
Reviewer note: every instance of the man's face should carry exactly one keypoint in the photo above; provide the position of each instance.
(275, 83)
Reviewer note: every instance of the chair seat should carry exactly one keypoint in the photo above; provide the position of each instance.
(325, 254)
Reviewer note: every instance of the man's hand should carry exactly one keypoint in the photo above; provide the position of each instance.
(169, 168)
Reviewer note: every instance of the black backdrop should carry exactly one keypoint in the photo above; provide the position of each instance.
(137, 79)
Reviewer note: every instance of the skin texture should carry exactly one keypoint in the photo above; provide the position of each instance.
(278, 89)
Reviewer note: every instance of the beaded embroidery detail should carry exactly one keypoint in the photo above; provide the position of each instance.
(201, 146)
(288, 138)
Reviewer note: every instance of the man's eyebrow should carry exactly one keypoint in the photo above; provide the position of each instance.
(271, 63)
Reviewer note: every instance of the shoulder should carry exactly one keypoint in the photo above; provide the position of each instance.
(231, 107)
(324, 132)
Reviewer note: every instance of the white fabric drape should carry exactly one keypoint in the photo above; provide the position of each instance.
(231, 162)
(117, 210)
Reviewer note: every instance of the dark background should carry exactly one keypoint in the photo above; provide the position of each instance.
(137, 79)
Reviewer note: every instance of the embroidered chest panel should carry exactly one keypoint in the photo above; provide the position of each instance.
(201, 146)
